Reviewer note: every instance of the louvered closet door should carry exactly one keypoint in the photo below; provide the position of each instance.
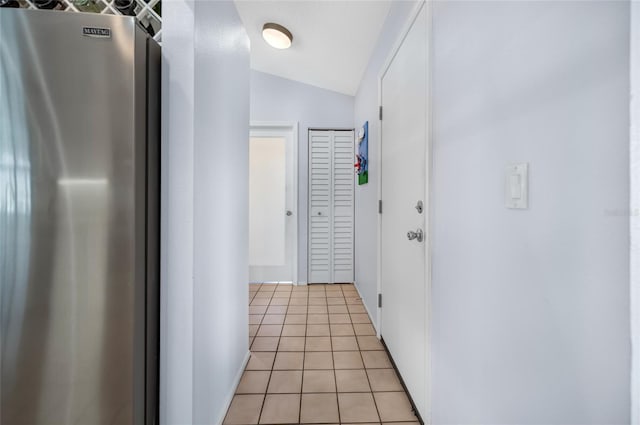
(343, 207)
(331, 206)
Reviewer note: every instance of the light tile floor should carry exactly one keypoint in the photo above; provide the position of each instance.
(315, 359)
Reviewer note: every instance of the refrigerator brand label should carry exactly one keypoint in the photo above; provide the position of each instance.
(96, 32)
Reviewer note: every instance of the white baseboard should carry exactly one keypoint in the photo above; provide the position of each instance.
(236, 381)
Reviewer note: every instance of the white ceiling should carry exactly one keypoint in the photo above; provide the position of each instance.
(332, 40)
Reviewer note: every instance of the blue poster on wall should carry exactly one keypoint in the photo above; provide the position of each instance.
(362, 158)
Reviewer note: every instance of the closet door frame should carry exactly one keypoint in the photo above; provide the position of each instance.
(332, 206)
(286, 129)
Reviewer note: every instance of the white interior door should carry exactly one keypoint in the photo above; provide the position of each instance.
(403, 262)
(272, 201)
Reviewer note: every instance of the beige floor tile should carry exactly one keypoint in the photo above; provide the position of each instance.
(353, 300)
(291, 343)
(253, 330)
(318, 381)
(352, 381)
(280, 301)
(258, 309)
(264, 295)
(344, 343)
(318, 343)
(260, 301)
(318, 319)
(269, 330)
(362, 328)
(318, 360)
(298, 301)
(338, 309)
(319, 408)
(299, 294)
(317, 294)
(277, 309)
(317, 301)
(273, 319)
(369, 343)
(294, 330)
(253, 382)
(244, 409)
(297, 309)
(360, 318)
(357, 407)
(251, 338)
(339, 318)
(356, 309)
(384, 380)
(261, 361)
(401, 423)
(376, 360)
(394, 407)
(288, 361)
(255, 319)
(318, 330)
(335, 301)
(317, 309)
(341, 329)
(281, 294)
(347, 360)
(280, 409)
(265, 343)
(285, 381)
(295, 319)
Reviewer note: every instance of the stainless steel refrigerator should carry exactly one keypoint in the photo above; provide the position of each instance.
(79, 219)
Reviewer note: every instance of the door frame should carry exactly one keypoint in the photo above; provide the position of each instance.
(426, 416)
(289, 129)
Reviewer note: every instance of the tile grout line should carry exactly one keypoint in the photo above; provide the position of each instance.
(264, 399)
(333, 359)
(367, 375)
(304, 355)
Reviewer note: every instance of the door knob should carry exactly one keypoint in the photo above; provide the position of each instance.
(418, 235)
(289, 213)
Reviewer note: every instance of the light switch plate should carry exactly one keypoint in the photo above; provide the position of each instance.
(516, 194)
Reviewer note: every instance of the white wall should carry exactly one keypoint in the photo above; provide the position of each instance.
(278, 99)
(634, 205)
(205, 202)
(176, 292)
(531, 307)
(366, 196)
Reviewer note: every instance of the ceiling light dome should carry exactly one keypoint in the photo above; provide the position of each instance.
(277, 36)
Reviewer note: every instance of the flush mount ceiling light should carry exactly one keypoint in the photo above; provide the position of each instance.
(277, 36)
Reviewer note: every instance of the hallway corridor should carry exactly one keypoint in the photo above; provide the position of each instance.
(315, 359)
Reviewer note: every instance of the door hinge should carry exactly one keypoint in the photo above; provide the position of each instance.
(380, 113)
(380, 206)
(379, 300)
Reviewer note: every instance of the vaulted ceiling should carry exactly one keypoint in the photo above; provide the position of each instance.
(332, 40)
